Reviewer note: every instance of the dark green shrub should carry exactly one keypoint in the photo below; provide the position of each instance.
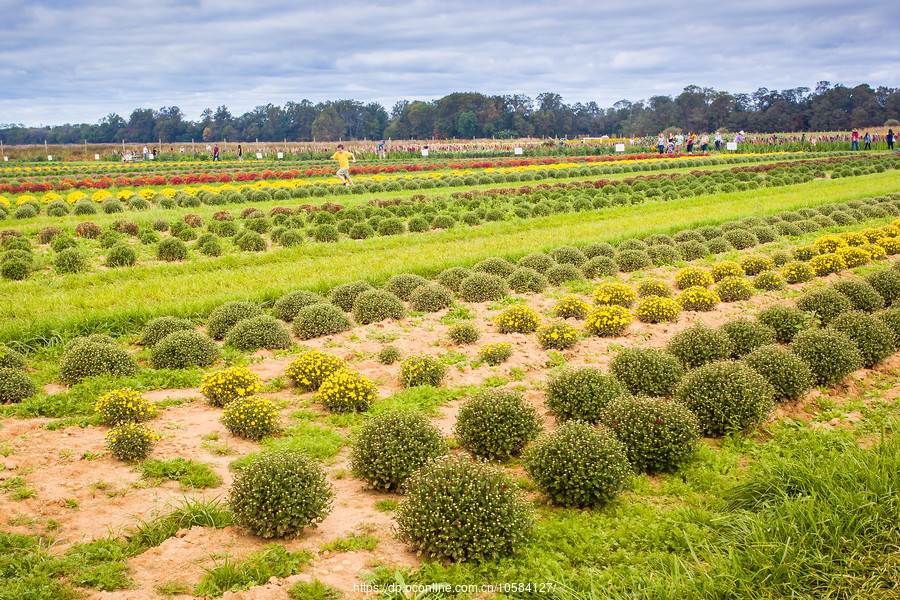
(763, 234)
(94, 355)
(261, 331)
(71, 260)
(692, 250)
(159, 327)
(871, 335)
(287, 306)
(279, 494)
(726, 396)
(632, 260)
(537, 261)
(599, 266)
(740, 239)
(887, 283)
(223, 318)
(659, 435)
(121, 255)
(250, 241)
(568, 255)
(392, 446)
(825, 304)
(747, 335)
(316, 320)
(754, 264)
(453, 277)
(891, 318)
(430, 298)
(524, 279)
(860, 293)
(377, 305)
(476, 502)
(647, 371)
(482, 287)
(496, 423)
(325, 234)
(344, 295)
(15, 269)
(789, 376)
(391, 226)
(10, 359)
(581, 394)
(495, 266)
(560, 273)
(719, 245)
(579, 465)
(698, 345)
(663, 255)
(360, 231)
(830, 354)
(768, 281)
(171, 249)
(183, 350)
(653, 287)
(389, 355)
(631, 244)
(402, 285)
(15, 385)
(463, 333)
(62, 242)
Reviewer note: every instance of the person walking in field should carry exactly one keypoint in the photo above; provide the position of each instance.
(868, 141)
(890, 139)
(343, 157)
(854, 141)
(216, 152)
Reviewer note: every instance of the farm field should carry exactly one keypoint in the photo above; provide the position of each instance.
(697, 359)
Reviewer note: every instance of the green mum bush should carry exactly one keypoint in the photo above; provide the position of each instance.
(474, 501)
(403, 285)
(558, 335)
(131, 441)
(647, 371)
(317, 320)
(825, 304)
(524, 280)
(377, 305)
(698, 344)
(344, 295)
(430, 298)
(392, 446)
(157, 328)
(871, 335)
(579, 465)
(453, 277)
(887, 283)
(496, 423)
(733, 289)
(287, 307)
(94, 355)
(422, 369)
(581, 394)
(463, 333)
(221, 387)
(572, 306)
(279, 494)
(659, 435)
(789, 376)
(15, 385)
(226, 316)
(860, 293)
(747, 335)
(482, 287)
(786, 321)
(830, 354)
(183, 350)
(251, 417)
(261, 331)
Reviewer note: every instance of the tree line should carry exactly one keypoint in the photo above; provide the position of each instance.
(474, 115)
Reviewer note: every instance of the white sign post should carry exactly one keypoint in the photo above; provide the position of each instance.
(517, 151)
(620, 147)
(259, 155)
(281, 155)
(49, 157)
(96, 157)
(731, 146)
(424, 151)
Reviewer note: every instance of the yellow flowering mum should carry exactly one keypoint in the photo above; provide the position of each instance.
(608, 320)
(221, 387)
(518, 319)
(124, 406)
(347, 391)
(252, 417)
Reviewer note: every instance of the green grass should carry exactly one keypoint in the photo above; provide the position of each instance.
(315, 590)
(188, 473)
(191, 513)
(229, 575)
(351, 543)
(121, 300)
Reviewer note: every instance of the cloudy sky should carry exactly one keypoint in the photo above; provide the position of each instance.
(75, 61)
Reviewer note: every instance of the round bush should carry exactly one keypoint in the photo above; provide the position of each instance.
(131, 441)
(482, 287)
(15, 385)
(747, 335)
(94, 355)
(347, 391)
(223, 318)
(261, 331)
(524, 280)
(279, 494)
(755, 264)
(62, 242)
(287, 307)
(430, 298)
(654, 309)
(871, 335)
(692, 250)
(463, 333)
(159, 327)
(785, 321)
(495, 266)
(614, 293)
(740, 239)
(663, 255)
(518, 318)
(797, 272)
(568, 255)
(15, 269)
(726, 396)
(183, 350)
(221, 387)
(860, 293)
(579, 465)
(719, 245)
(360, 231)
(887, 283)
(474, 501)
(320, 319)
(388, 355)
(659, 435)
(403, 285)
(377, 305)
(496, 423)
(891, 318)
(391, 226)
(326, 234)
(632, 260)
(10, 359)
(610, 320)
(422, 369)
(825, 304)
(344, 295)
(571, 307)
(697, 298)
(830, 354)
(581, 394)
(789, 376)
(537, 261)
(653, 287)
(558, 336)
(689, 277)
(251, 417)
(768, 281)
(311, 368)
(392, 446)
(561, 273)
(171, 249)
(88, 230)
(453, 277)
(496, 353)
(121, 255)
(826, 264)
(724, 269)
(646, 371)
(763, 234)
(124, 406)
(698, 345)
(71, 260)
(733, 289)
(853, 257)
(631, 244)
(599, 266)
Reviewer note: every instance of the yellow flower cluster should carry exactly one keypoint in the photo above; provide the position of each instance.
(131, 441)
(891, 245)
(875, 251)
(654, 309)
(797, 272)
(732, 289)
(518, 318)
(221, 387)
(853, 255)
(828, 244)
(614, 293)
(252, 417)
(558, 336)
(804, 252)
(608, 320)
(347, 391)
(422, 369)
(124, 406)
(496, 353)
(101, 195)
(754, 264)
(4, 201)
(571, 306)
(124, 194)
(692, 276)
(697, 298)
(73, 197)
(726, 268)
(825, 264)
(311, 368)
(853, 238)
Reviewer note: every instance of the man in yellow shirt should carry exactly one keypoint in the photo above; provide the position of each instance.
(343, 157)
